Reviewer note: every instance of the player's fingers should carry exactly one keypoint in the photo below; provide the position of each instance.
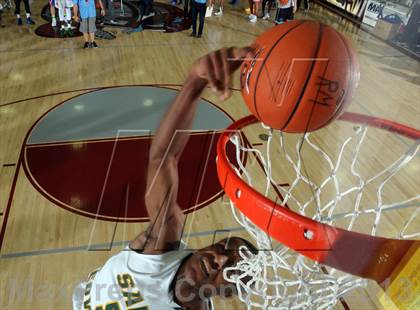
(210, 72)
(238, 55)
(218, 70)
(227, 81)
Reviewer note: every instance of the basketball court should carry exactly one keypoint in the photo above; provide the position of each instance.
(76, 126)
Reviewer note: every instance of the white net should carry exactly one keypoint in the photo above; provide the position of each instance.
(346, 175)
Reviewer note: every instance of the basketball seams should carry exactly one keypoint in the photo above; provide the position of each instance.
(307, 79)
(349, 83)
(263, 65)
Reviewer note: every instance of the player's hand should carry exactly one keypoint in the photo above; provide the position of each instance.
(217, 67)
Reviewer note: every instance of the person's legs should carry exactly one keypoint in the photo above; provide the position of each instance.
(202, 11)
(29, 20)
(251, 6)
(209, 10)
(52, 13)
(194, 13)
(289, 14)
(84, 29)
(305, 5)
(220, 11)
(257, 7)
(17, 11)
(109, 6)
(91, 30)
(264, 3)
(1, 15)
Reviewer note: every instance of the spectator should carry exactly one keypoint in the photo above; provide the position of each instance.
(109, 6)
(220, 11)
(64, 14)
(198, 7)
(29, 20)
(52, 12)
(285, 11)
(87, 19)
(269, 5)
(209, 10)
(1, 15)
(254, 7)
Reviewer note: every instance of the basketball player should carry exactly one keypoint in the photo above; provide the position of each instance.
(154, 272)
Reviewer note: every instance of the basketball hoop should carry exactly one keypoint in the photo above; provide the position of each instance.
(333, 222)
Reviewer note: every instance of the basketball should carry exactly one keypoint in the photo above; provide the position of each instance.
(302, 77)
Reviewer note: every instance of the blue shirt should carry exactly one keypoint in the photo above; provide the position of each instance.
(86, 8)
(200, 1)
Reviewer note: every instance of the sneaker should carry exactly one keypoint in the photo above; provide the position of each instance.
(266, 16)
(53, 22)
(199, 36)
(253, 19)
(209, 11)
(29, 21)
(87, 45)
(251, 16)
(94, 45)
(19, 21)
(219, 13)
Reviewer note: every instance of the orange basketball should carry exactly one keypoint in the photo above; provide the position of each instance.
(303, 76)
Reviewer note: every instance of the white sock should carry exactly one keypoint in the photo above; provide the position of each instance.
(28, 15)
(17, 15)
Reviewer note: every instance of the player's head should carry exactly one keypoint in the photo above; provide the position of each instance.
(201, 274)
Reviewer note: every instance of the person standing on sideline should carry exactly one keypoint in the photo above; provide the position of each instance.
(198, 7)
(29, 20)
(253, 7)
(52, 12)
(285, 11)
(268, 4)
(87, 19)
(1, 16)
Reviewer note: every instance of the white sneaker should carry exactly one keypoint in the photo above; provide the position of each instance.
(53, 22)
(266, 16)
(219, 13)
(250, 16)
(253, 19)
(209, 11)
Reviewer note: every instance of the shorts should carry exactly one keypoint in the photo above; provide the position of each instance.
(284, 14)
(87, 25)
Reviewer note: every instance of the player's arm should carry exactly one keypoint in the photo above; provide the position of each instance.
(166, 217)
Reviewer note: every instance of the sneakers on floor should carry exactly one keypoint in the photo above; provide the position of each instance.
(209, 11)
(29, 21)
(219, 13)
(94, 45)
(253, 18)
(87, 45)
(266, 16)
